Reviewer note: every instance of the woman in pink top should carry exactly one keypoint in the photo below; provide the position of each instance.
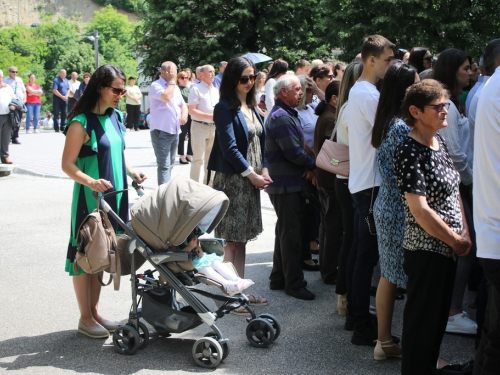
(33, 103)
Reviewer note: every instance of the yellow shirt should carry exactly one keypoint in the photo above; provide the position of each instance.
(135, 92)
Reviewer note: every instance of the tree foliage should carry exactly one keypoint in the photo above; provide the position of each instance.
(194, 32)
(436, 24)
(128, 5)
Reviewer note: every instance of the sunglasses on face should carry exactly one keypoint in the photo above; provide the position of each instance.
(439, 107)
(245, 79)
(117, 91)
(428, 58)
(13, 71)
(329, 76)
(183, 77)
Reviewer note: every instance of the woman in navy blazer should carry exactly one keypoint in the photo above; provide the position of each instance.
(239, 161)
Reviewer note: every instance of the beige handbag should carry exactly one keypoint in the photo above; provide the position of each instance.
(334, 157)
(97, 245)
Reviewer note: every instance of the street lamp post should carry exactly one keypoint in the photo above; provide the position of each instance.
(95, 39)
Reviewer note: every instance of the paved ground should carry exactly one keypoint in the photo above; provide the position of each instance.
(38, 313)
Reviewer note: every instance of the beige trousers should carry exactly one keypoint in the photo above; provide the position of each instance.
(202, 140)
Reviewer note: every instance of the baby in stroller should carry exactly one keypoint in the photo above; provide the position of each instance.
(212, 266)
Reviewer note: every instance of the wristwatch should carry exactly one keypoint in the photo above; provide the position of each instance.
(172, 83)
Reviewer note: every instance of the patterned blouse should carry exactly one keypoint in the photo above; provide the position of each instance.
(424, 171)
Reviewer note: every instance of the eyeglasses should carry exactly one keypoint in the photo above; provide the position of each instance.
(244, 79)
(13, 71)
(329, 76)
(439, 107)
(117, 91)
(183, 77)
(429, 58)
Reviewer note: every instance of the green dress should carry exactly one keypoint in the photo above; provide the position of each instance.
(101, 157)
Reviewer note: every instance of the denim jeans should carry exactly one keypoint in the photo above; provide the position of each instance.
(362, 259)
(165, 146)
(32, 114)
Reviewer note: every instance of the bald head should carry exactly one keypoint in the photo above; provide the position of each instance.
(168, 71)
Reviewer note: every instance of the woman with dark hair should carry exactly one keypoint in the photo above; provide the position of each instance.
(330, 228)
(93, 156)
(351, 75)
(388, 131)
(421, 58)
(240, 165)
(453, 71)
(436, 231)
(182, 82)
(338, 71)
(321, 75)
(280, 67)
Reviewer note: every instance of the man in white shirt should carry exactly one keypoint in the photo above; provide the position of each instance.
(74, 85)
(378, 55)
(17, 85)
(487, 208)
(201, 102)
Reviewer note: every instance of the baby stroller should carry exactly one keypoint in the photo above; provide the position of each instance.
(160, 222)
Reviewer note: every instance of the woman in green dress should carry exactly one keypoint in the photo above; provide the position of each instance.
(93, 156)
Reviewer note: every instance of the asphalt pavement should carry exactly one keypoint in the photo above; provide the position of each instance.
(39, 314)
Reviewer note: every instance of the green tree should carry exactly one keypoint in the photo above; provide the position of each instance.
(195, 32)
(436, 24)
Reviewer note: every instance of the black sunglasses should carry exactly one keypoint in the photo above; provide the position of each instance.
(117, 91)
(244, 79)
(428, 58)
(439, 107)
(13, 71)
(329, 76)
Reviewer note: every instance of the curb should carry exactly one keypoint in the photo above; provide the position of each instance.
(30, 172)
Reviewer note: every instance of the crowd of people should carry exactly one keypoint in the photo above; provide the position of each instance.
(420, 131)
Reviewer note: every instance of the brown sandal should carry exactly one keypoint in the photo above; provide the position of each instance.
(257, 301)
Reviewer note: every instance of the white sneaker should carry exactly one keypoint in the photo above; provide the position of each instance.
(29, 131)
(461, 323)
(36, 131)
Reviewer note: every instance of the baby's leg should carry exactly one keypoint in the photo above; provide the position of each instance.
(214, 275)
(222, 269)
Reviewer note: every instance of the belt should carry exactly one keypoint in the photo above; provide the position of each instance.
(204, 123)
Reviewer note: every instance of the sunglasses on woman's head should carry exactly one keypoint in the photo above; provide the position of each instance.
(439, 107)
(245, 79)
(117, 91)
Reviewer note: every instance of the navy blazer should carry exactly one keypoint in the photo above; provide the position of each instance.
(229, 152)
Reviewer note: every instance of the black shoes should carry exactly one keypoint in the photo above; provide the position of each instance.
(308, 267)
(365, 335)
(301, 293)
(16, 141)
(278, 285)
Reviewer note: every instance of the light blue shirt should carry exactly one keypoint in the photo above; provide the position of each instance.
(165, 116)
(217, 80)
(472, 92)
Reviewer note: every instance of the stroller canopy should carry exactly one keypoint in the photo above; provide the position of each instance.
(170, 213)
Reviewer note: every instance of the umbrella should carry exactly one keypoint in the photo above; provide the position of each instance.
(257, 57)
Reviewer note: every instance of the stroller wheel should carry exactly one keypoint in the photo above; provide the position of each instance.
(143, 334)
(260, 333)
(224, 345)
(207, 352)
(126, 340)
(274, 322)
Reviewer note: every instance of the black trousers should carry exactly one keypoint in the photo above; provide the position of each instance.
(487, 361)
(59, 106)
(345, 202)
(16, 125)
(133, 114)
(330, 234)
(363, 258)
(290, 229)
(185, 130)
(429, 288)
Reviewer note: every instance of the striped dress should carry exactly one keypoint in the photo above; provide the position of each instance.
(101, 157)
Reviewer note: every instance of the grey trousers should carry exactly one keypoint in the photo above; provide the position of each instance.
(5, 132)
(165, 146)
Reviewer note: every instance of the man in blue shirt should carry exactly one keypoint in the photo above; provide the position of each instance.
(218, 77)
(60, 88)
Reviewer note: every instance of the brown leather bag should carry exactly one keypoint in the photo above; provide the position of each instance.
(334, 157)
(97, 246)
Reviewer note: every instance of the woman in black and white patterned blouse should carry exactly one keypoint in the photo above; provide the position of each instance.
(436, 231)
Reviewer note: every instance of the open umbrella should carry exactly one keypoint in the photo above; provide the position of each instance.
(257, 57)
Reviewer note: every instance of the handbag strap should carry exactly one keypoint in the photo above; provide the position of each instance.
(334, 131)
(373, 189)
